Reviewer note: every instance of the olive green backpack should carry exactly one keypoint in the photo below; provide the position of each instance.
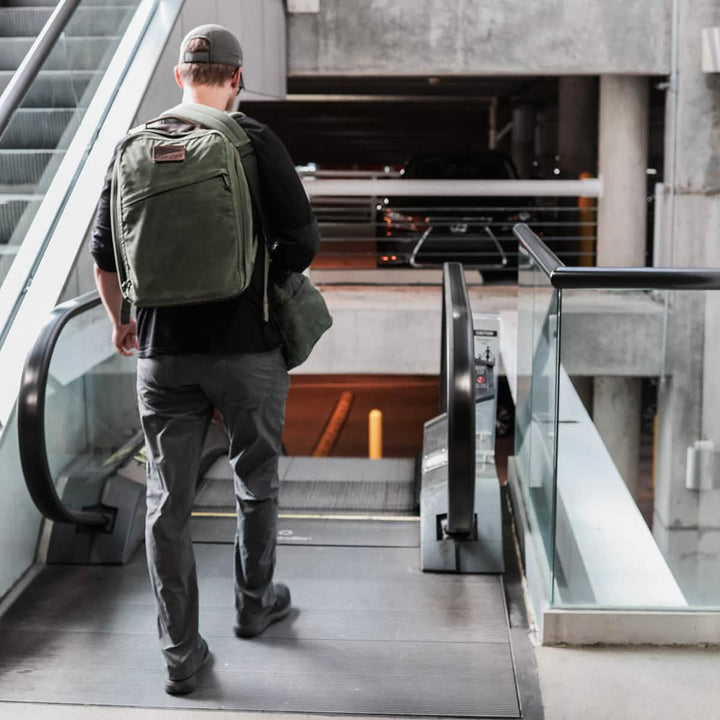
(181, 210)
(182, 224)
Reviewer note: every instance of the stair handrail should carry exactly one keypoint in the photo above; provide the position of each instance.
(31, 418)
(563, 277)
(457, 399)
(24, 76)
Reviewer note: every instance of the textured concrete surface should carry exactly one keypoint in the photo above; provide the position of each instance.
(587, 683)
(619, 684)
(623, 158)
(396, 37)
(396, 330)
(686, 522)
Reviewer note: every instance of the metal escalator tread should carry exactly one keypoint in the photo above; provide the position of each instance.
(319, 496)
(325, 485)
(372, 634)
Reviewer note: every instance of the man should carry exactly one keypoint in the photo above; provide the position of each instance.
(223, 355)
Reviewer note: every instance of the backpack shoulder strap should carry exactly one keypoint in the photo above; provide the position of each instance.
(215, 120)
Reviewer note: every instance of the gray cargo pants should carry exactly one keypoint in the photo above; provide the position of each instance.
(176, 397)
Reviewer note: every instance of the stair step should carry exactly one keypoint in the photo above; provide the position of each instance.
(84, 53)
(33, 129)
(21, 192)
(58, 88)
(29, 21)
(30, 3)
(53, 3)
(11, 215)
(25, 167)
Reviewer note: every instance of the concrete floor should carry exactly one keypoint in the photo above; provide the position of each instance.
(629, 683)
(577, 684)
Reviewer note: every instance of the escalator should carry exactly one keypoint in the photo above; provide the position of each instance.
(73, 74)
(40, 130)
(369, 633)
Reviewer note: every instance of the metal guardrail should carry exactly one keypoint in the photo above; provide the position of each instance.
(25, 75)
(364, 231)
(31, 419)
(457, 399)
(563, 277)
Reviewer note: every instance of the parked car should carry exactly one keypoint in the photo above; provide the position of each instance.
(430, 230)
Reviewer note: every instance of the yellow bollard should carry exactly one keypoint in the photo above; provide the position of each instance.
(375, 434)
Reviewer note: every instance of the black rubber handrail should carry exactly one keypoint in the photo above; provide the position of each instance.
(607, 278)
(31, 419)
(24, 76)
(457, 399)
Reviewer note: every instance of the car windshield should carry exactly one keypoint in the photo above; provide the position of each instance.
(459, 167)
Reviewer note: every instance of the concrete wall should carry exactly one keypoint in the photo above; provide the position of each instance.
(260, 27)
(484, 37)
(686, 522)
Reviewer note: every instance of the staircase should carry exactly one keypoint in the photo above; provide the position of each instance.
(41, 130)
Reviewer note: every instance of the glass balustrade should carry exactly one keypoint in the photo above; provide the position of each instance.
(91, 405)
(614, 441)
(637, 511)
(536, 413)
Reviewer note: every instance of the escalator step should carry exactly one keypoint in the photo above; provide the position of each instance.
(325, 484)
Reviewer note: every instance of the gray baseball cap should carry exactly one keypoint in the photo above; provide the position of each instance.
(224, 47)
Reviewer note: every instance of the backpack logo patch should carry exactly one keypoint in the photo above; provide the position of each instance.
(168, 153)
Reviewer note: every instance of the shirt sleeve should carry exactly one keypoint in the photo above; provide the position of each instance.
(291, 226)
(101, 244)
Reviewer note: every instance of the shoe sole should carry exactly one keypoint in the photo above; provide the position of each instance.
(250, 632)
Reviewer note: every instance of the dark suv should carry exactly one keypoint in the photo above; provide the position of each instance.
(428, 231)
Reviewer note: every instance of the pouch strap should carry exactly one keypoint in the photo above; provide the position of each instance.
(125, 312)
(249, 163)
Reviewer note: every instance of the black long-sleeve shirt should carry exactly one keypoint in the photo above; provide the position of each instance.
(236, 325)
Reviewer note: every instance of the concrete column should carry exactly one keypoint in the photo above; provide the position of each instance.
(687, 523)
(623, 149)
(621, 238)
(523, 139)
(617, 415)
(577, 125)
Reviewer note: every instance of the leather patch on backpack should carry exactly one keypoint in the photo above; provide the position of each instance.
(168, 153)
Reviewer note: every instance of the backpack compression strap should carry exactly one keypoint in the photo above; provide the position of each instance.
(226, 124)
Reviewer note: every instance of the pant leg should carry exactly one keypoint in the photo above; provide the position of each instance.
(175, 415)
(250, 390)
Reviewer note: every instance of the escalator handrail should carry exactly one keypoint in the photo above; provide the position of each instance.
(457, 399)
(29, 68)
(563, 277)
(31, 418)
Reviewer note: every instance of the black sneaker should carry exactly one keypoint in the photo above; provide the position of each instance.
(187, 685)
(280, 608)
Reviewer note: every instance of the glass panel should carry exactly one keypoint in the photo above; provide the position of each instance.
(91, 405)
(41, 130)
(538, 328)
(638, 510)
